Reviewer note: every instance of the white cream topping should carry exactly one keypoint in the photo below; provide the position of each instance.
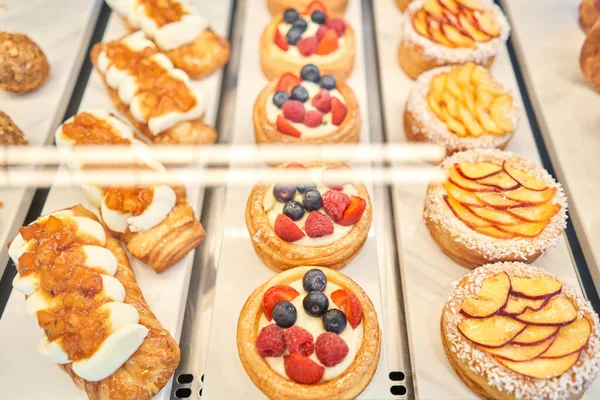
(94, 194)
(314, 325)
(118, 127)
(115, 221)
(100, 259)
(126, 9)
(53, 351)
(308, 132)
(27, 284)
(112, 353)
(311, 30)
(273, 208)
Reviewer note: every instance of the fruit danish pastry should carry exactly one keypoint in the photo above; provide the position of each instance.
(309, 333)
(320, 222)
(178, 30)
(589, 11)
(402, 4)
(156, 97)
(460, 107)
(514, 331)
(589, 61)
(95, 322)
(494, 206)
(156, 222)
(313, 35)
(309, 108)
(279, 6)
(443, 32)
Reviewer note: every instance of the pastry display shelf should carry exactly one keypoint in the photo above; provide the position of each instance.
(565, 105)
(166, 293)
(427, 274)
(37, 113)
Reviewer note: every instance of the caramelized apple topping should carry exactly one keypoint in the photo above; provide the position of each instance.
(470, 102)
(87, 129)
(499, 201)
(534, 329)
(129, 200)
(455, 23)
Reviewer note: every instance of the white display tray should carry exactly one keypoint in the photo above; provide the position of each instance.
(166, 293)
(566, 106)
(427, 273)
(37, 113)
(240, 270)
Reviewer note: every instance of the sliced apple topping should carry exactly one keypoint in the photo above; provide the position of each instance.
(494, 331)
(491, 298)
(515, 352)
(570, 339)
(463, 23)
(475, 104)
(535, 334)
(535, 288)
(558, 311)
(517, 305)
(495, 194)
(541, 368)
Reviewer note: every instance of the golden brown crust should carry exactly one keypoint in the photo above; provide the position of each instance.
(266, 132)
(9, 131)
(149, 369)
(23, 65)
(207, 53)
(186, 132)
(414, 63)
(276, 62)
(280, 255)
(279, 6)
(589, 59)
(402, 4)
(346, 386)
(589, 11)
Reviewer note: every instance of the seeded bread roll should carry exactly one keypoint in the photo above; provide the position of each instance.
(23, 65)
(10, 132)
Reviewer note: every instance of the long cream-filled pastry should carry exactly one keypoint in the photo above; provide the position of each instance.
(156, 222)
(96, 324)
(178, 30)
(154, 95)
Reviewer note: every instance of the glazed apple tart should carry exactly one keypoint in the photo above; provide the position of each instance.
(309, 108)
(460, 107)
(514, 331)
(312, 35)
(442, 32)
(494, 206)
(309, 333)
(316, 223)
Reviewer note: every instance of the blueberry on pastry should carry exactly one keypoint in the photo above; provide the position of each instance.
(329, 354)
(179, 31)
(309, 108)
(460, 107)
(323, 223)
(23, 65)
(493, 207)
(443, 32)
(313, 35)
(514, 331)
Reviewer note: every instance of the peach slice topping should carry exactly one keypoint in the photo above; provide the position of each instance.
(570, 339)
(535, 289)
(491, 298)
(517, 305)
(558, 311)
(494, 331)
(491, 199)
(535, 334)
(515, 352)
(468, 100)
(541, 368)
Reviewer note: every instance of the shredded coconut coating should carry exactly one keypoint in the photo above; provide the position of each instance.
(436, 130)
(491, 248)
(578, 378)
(482, 52)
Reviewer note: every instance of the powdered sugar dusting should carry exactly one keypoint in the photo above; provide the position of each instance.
(432, 50)
(436, 130)
(572, 382)
(490, 248)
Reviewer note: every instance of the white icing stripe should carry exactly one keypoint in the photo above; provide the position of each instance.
(126, 9)
(39, 301)
(17, 247)
(115, 221)
(112, 288)
(100, 259)
(27, 284)
(53, 351)
(92, 228)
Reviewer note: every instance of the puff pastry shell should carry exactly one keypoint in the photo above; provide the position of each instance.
(589, 11)
(589, 61)
(279, 6)
(280, 255)
(346, 386)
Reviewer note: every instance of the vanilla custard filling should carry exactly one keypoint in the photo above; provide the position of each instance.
(326, 126)
(311, 30)
(274, 207)
(314, 325)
